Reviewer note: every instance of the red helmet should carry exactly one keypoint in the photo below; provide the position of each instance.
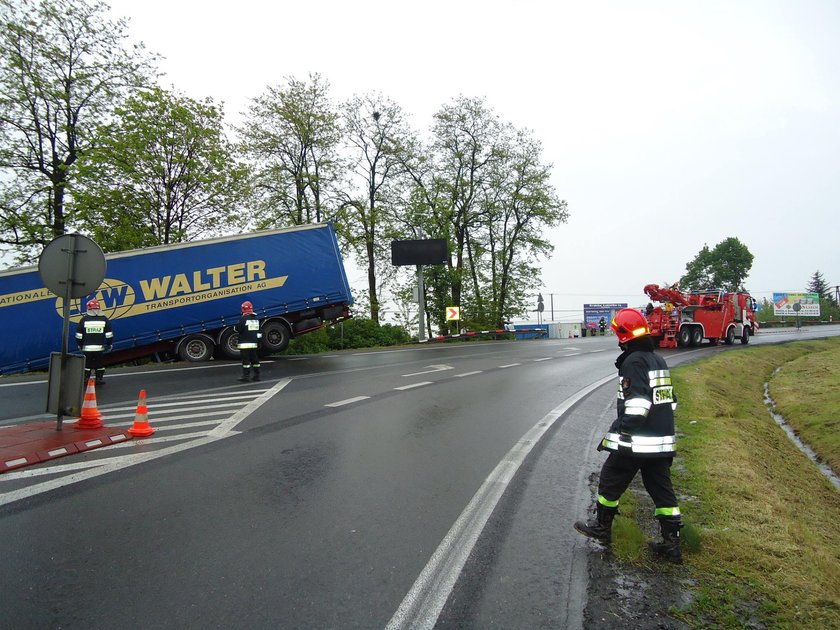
(629, 324)
(247, 307)
(93, 305)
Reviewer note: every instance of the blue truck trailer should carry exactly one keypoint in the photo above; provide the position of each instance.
(183, 300)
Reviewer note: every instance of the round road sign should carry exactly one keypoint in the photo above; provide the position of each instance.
(72, 260)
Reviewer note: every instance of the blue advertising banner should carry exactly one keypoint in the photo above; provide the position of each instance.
(592, 313)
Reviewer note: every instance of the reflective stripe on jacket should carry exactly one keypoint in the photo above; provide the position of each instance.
(644, 425)
(249, 331)
(93, 333)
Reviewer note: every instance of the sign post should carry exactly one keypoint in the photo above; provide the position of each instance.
(71, 266)
(431, 251)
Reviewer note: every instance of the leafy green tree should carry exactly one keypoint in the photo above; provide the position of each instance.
(725, 267)
(63, 66)
(162, 172)
(520, 203)
(449, 177)
(481, 184)
(291, 138)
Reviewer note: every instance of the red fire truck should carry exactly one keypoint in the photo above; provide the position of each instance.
(687, 319)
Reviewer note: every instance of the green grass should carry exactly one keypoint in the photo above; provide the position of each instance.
(805, 393)
(762, 536)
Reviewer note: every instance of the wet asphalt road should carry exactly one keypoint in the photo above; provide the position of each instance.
(325, 504)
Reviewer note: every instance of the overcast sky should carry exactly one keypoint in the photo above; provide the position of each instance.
(670, 125)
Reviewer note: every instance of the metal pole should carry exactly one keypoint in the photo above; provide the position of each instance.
(65, 328)
(420, 303)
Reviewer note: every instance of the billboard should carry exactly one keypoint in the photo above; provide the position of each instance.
(592, 313)
(802, 304)
(430, 251)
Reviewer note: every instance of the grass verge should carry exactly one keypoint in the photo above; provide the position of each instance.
(763, 524)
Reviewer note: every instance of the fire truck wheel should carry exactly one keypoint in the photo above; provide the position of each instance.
(696, 336)
(684, 337)
(730, 336)
(745, 338)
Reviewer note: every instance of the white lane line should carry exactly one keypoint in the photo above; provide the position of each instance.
(151, 404)
(157, 439)
(412, 386)
(228, 425)
(348, 401)
(223, 430)
(113, 375)
(543, 359)
(161, 420)
(423, 603)
(571, 354)
(434, 368)
(467, 374)
(509, 365)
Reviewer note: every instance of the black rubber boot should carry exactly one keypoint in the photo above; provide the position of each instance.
(599, 528)
(669, 547)
(244, 377)
(100, 377)
(256, 373)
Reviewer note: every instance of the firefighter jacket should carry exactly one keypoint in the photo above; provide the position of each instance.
(249, 331)
(646, 402)
(93, 333)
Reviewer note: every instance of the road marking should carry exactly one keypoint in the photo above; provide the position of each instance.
(112, 375)
(543, 359)
(347, 401)
(509, 365)
(422, 605)
(223, 430)
(404, 387)
(467, 373)
(434, 368)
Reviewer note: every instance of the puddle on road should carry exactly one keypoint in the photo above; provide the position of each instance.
(824, 468)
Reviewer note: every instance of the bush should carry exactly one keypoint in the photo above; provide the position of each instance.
(352, 333)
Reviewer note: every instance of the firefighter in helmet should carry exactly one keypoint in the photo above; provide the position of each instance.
(248, 328)
(641, 438)
(94, 338)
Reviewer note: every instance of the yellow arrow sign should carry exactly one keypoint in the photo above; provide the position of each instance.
(453, 312)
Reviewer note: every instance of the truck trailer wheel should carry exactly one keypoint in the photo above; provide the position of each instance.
(276, 336)
(730, 336)
(229, 344)
(196, 348)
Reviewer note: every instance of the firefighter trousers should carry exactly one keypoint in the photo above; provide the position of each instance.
(618, 471)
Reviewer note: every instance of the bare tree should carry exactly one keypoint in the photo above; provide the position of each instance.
(376, 134)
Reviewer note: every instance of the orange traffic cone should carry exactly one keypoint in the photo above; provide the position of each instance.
(90, 418)
(141, 426)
